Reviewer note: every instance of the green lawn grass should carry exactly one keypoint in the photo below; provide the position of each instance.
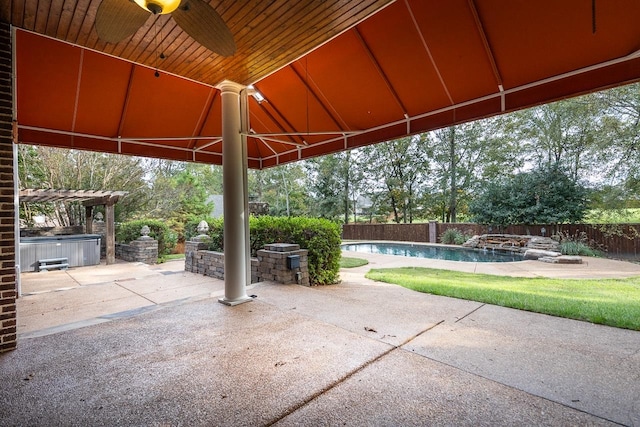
(612, 302)
(347, 262)
(172, 257)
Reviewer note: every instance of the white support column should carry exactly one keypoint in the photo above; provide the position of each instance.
(234, 163)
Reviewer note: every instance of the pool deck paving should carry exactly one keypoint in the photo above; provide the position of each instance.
(131, 344)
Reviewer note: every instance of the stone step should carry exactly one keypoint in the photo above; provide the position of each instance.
(562, 259)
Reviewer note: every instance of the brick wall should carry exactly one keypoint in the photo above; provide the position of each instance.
(7, 232)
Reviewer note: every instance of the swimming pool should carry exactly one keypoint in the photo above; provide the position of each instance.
(433, 252)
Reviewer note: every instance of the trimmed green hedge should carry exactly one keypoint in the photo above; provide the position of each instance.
(129, 231)
(320, 237)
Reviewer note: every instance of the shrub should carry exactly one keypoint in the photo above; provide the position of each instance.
(577, 244)
(547, 195)
(453, 236)
(320, 237)
(167, 239)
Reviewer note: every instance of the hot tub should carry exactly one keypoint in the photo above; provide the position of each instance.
(79, 249)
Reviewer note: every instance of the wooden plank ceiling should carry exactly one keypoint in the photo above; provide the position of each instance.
(268, 34)
(334, 74)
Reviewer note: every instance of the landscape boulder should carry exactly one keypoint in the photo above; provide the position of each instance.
(539, 253)
(512, 243)
(543, 243)
(562, 259)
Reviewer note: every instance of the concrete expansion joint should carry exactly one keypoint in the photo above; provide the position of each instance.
(408, 340)
(470, 313)
(48, 291)
(70, 288)
(331, 386)
(126, 314)
(66, 272)
(350, 374)
(502, 384)
(136, 293)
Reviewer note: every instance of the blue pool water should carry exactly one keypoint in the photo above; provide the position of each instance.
(433, 252)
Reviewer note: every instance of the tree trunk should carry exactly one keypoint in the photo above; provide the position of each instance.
(345, 168)
(410, 204)
(355, 210)
(394, 205)
(404, 211)
(452, 175)
(286, 191)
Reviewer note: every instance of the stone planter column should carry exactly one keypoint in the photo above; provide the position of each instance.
(193, 246)
(273, 267)
(143, 249)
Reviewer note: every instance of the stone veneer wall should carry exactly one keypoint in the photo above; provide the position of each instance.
(271, 264)
(8, 293)
(144, 249)
(100, 227)
(197, 259)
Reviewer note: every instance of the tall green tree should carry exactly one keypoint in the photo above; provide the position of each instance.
(563, 133)
(179, 194)
(544, 196)
(336, 184)
(57, 168)
(463, 158)
(620, 146)
(399, 167)
(282, 187)
(326, 187)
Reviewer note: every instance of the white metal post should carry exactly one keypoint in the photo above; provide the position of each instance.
(244, 129)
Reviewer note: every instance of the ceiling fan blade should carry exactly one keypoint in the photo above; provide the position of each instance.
(198, 19)
(118, 19)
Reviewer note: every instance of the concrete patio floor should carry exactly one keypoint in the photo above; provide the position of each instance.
(132, 344)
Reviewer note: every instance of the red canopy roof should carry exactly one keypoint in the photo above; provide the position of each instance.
(414, 66)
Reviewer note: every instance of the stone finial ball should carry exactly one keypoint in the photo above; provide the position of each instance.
(144, 231)
(203, 227)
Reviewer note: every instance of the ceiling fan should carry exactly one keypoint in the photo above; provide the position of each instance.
(118, 19)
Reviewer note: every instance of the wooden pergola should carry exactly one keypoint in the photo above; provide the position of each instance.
(89, 198)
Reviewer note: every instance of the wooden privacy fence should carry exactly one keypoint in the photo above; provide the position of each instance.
(621, 240)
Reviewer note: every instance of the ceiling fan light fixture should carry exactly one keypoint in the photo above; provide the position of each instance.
(117, 20)
(159, 7)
